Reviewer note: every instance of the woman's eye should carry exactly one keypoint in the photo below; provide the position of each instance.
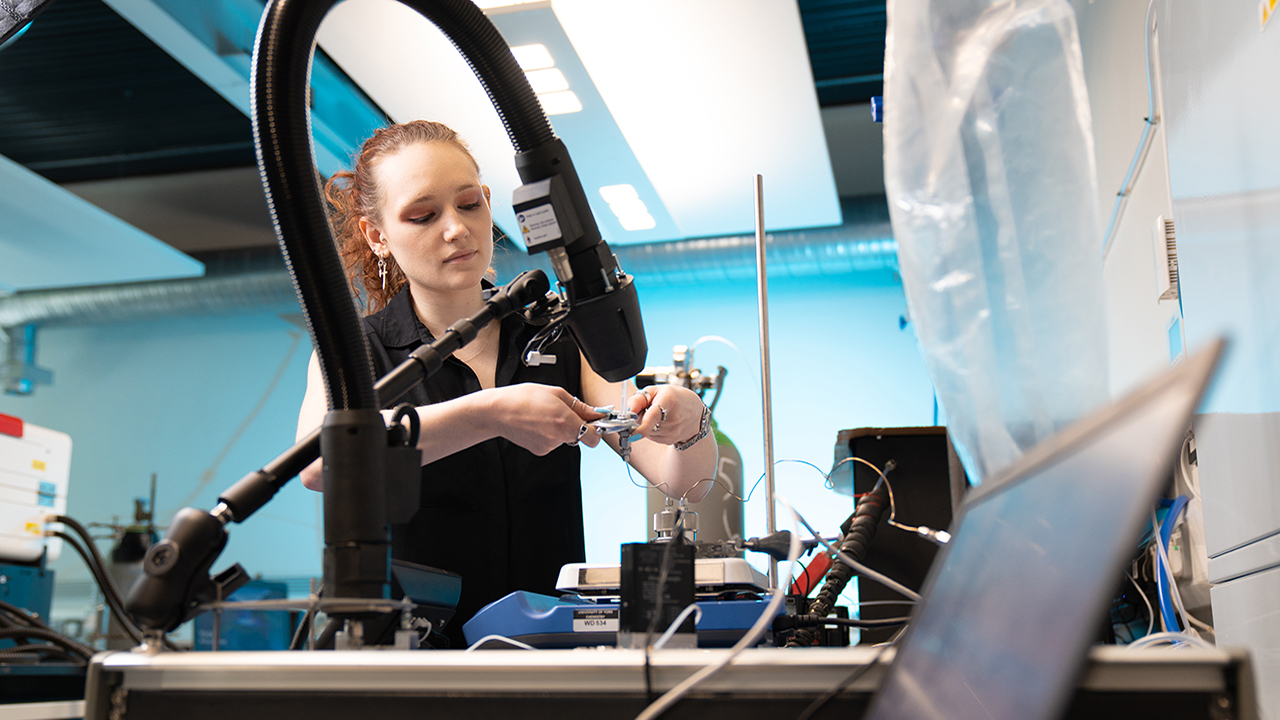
(470, 206)
(423, 220)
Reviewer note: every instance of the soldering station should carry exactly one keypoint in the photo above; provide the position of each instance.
(1045, 549)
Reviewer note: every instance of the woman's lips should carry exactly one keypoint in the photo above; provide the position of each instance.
(460, 257)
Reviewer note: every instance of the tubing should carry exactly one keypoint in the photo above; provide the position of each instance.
(282, 138)
(862, 530)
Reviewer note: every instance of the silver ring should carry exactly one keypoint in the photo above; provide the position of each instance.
(658, 425)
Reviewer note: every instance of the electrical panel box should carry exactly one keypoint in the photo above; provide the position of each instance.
(35, 466)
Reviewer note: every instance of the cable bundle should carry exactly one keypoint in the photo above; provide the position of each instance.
(857, 539)
(98, 567)
(22, 627)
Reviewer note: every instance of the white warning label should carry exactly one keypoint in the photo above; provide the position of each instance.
(593, 620)
(539, 225)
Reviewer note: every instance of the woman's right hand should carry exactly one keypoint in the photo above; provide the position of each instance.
(539, 418)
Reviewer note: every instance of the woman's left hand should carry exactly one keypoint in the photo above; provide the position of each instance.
(669, 414)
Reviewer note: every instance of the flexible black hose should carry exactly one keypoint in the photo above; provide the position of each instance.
(28, 619)
(98, 567)
(49, 636)
(856, 541)
(281, 69)
(40, 653)
(282, 138)
(103, 579)
(303, 630)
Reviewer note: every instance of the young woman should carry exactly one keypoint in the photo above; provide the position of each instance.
(501, 500)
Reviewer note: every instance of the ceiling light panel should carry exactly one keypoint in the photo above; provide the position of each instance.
(413, 71)
(532, 57)
(683, 99)
(600, 152)
(707, 94)
(547, 80)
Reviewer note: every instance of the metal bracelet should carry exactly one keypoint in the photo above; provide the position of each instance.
(704, 426)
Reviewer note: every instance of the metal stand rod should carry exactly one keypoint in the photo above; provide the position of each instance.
(762, 286)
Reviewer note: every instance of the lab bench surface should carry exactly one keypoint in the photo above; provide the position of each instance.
(604, 683)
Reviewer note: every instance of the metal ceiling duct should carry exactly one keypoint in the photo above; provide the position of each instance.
(863, 243)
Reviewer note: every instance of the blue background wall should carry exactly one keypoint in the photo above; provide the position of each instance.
(203, 401)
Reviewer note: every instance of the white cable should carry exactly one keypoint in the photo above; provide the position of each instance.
(671, 629)
(752, 637)
(1201, 624)
(1151, 616)
(502, 638)
(1170, 638)
(861, 569)
(751, 370)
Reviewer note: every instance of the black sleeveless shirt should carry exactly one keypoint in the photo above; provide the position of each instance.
(496, 514)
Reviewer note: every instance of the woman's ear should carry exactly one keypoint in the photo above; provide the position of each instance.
(373, 237)
(485, 188)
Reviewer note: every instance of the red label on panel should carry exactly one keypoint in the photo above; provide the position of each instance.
(10, 425)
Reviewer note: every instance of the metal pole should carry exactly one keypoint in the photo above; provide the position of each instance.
(762, 286)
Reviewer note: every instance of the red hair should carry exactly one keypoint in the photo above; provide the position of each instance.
(355, 194)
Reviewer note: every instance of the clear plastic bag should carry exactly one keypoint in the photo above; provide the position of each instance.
(989, 170)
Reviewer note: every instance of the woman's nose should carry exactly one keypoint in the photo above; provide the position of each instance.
(454, 228)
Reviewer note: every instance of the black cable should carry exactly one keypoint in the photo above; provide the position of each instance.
(305, 624)
(108, 585)
(826, 697)
(48, 636)
(117, 610)
(39, 653)
(28, 618)
(98, 567)
(302, 631)
(857, 540)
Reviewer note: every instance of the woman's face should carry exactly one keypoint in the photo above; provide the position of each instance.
(436, 218)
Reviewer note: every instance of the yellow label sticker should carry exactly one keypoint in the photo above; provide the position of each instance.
(37, 464)
(33, 528)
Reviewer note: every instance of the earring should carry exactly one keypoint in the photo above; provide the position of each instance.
(382, 271)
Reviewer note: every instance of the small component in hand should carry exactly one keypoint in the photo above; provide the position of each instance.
(622, 422)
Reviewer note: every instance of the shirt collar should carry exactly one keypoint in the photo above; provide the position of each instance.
(398, 325)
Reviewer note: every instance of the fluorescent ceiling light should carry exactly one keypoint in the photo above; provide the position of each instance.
(533, 57)
(701, 143)
(647, 115)
(547, 81)
(627, 208)
(637, 222)
(625, 202)
(618, 193)
(560, 103)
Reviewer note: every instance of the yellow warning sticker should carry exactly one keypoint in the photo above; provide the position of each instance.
(37, 464)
